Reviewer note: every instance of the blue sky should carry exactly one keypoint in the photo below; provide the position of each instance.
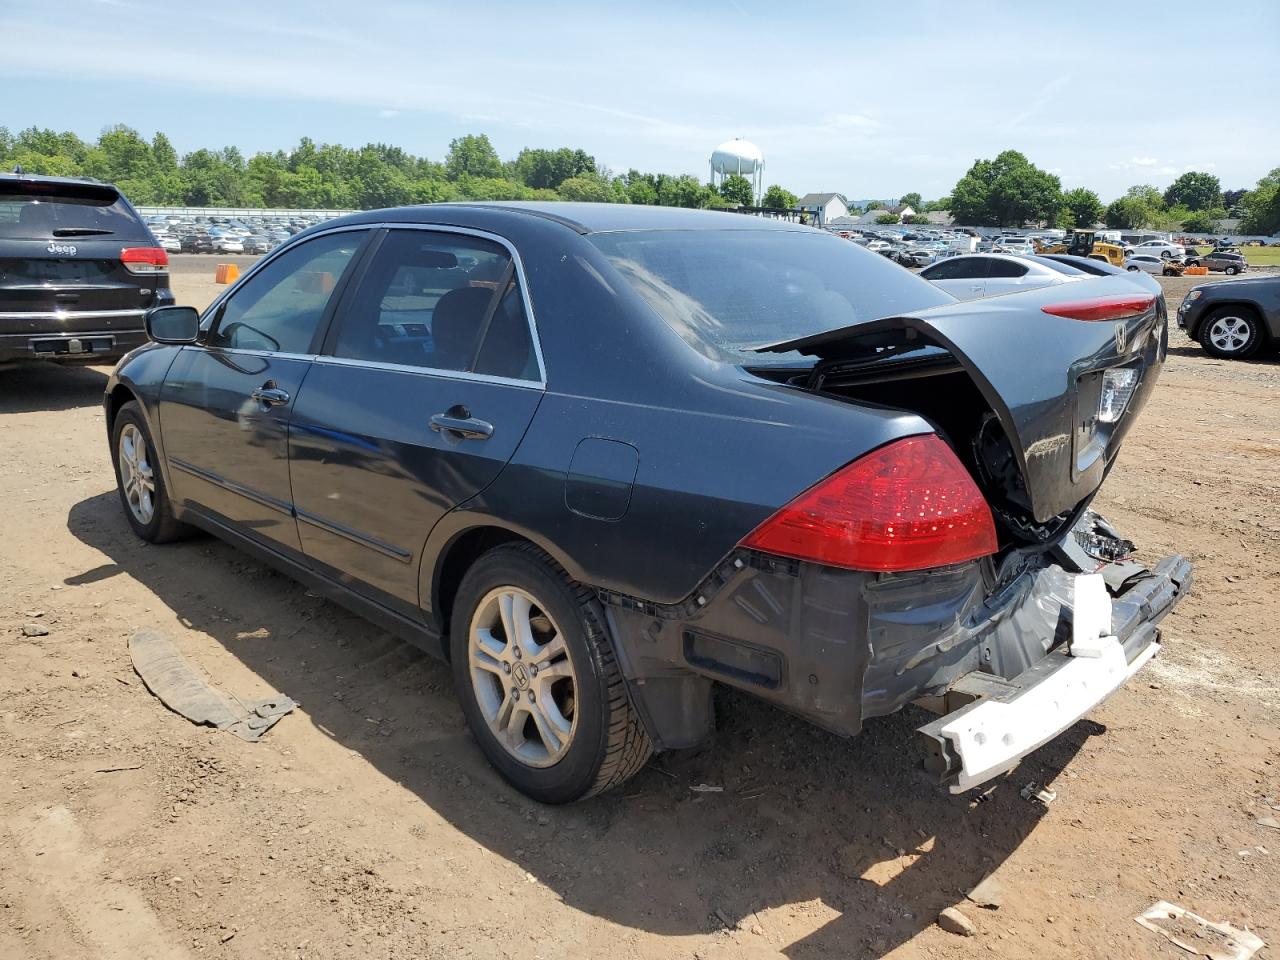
(872, 100)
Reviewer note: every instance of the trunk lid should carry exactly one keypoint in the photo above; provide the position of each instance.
(1040, 375)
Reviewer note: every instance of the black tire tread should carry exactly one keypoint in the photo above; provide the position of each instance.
(168, 527)
(1202, 334)
(627, 743)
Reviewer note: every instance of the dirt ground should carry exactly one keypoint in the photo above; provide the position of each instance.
(367, 825)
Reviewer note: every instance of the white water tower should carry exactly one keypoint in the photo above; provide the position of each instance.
(740, 157)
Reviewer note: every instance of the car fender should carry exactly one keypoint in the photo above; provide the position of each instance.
(142, 373)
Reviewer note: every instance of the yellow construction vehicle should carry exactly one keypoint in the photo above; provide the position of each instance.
(1084, 243)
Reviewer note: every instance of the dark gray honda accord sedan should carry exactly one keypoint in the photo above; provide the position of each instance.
(603, 458)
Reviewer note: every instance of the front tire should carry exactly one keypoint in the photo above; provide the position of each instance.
(1231, 333)
(538, 681)
(139, 480)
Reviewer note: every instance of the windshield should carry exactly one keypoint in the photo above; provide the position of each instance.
(42, 211)
(728, 291)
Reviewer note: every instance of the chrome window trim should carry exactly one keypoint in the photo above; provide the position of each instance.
(529, 318)
(435, 372)
(247, 352)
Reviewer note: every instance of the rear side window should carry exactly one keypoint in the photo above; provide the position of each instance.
(1000, 269)
(439, 301)
(39, 210)
(278, 309)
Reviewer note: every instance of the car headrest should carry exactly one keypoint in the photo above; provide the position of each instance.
(455, 324)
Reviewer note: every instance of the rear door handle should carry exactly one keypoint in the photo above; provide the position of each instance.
(468, 428)
(269, 395)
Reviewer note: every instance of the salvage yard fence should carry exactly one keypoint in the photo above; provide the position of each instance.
(236, 212)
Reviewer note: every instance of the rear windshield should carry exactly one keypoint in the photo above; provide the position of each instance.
(43, 211)
(728, 291)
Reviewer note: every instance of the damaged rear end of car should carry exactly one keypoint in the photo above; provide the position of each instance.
(960, 569)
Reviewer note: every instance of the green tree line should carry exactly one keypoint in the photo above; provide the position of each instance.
(1010, 191)
(332, 176)
(1006, 191)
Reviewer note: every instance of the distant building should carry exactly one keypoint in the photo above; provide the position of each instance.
(822, 208)
(869, 216)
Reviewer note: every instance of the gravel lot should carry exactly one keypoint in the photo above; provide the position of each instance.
(367, 825)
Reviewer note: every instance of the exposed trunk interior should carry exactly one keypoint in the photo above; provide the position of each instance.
(903, 371)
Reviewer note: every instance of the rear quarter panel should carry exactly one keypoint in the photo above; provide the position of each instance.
(703, 481)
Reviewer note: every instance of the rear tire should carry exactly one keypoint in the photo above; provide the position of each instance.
(1132, 269)
(568, 733)
(1231, 271)
(139, 479)
(1231, 333)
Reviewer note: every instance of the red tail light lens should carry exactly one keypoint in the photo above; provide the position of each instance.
(909, 505)
(1103, 308)
(144, 259)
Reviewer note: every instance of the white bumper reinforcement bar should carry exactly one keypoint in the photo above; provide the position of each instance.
(989, 736)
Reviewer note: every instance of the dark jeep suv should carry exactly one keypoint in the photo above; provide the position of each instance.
(78, 269)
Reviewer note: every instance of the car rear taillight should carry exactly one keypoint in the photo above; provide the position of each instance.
(910, 505)
(144, 259)
(1103, 308)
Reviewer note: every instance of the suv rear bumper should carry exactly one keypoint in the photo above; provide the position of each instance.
(105, 334)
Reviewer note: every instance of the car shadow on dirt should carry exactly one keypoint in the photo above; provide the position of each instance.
(32, 386)
(849, 838)
(1267, 356)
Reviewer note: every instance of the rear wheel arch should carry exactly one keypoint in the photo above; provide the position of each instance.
(463, 549)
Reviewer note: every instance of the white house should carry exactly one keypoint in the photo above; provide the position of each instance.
(824, 207)
(900, 212)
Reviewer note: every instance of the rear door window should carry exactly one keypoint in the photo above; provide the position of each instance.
(1002, 269)
(439, 301)
(278, 309)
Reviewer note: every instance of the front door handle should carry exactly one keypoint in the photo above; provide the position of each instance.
(269, 395)
(458, 424)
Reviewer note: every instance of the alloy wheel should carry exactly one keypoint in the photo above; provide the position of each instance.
(522, 676)
(137, 477)
(1229, 334)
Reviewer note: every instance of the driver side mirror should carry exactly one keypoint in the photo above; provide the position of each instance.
(173, 324)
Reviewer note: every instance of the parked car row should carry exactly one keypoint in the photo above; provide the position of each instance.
(224, 235)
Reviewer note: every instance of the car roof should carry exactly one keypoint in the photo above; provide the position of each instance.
(584, 218)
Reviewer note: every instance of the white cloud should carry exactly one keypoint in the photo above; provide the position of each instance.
(388, 114)
(1144, 161)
